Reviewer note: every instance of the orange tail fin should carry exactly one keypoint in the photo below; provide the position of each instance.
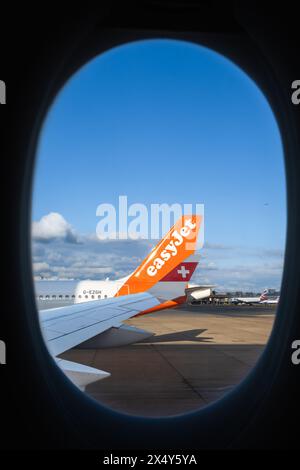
(178, 244)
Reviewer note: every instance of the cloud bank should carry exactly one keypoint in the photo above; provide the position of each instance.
(51, 227)
(58, 252)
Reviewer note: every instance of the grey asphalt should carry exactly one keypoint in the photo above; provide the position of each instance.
(196, 355)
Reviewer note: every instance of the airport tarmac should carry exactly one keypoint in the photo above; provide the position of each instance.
(197, 354)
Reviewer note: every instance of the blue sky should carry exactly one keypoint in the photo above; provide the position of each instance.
(169, 121)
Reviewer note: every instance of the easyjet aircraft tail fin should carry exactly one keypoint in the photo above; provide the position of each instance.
(178, 244)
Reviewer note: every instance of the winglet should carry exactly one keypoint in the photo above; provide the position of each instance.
(80, 374)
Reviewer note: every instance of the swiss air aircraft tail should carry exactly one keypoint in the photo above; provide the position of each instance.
(166, 271)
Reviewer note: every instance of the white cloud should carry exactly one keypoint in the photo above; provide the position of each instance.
(53, 226)
(38, 267)
(245, 277)
(89, 259)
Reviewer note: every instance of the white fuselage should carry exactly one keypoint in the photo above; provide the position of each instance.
(247, 300)
(270, 301)
(52, 294)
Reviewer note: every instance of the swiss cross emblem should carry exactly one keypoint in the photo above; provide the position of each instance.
(183, 272)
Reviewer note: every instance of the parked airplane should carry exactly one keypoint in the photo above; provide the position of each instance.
(97, 323)
(263, 298)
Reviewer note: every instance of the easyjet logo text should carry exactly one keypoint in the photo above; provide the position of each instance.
(177, 238)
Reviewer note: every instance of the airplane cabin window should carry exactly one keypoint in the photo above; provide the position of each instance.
(175, 127)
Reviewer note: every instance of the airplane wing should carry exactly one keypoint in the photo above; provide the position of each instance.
(66, 327)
